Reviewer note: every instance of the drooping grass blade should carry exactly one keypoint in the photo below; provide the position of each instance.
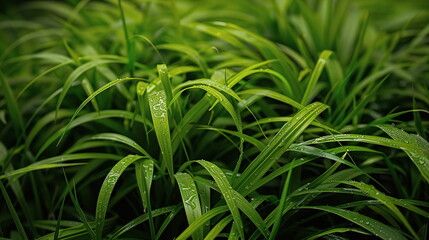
(375, 227)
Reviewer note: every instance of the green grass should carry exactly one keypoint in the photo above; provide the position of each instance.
(217, 120)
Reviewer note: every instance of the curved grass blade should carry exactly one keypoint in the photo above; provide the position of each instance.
(115, 137)
(93, 116)
(278, 145)
(107, 189)
(251, 213)
(336, 230)
(192, 53)
(214, 232)
(62, 64)
(158, 109)
(227, 192)
(89, 98)
(19, 172)
(191, 201)
(77, 73)
(315, 75)
(133, 223)
(375, 227)
(76, 231)
(419, 158)
(89, 90)
(200, 221)
(167, 220)
(272, 94)
(374, 193)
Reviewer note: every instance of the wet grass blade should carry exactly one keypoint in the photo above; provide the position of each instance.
(144, 176)
(385, 200)
(278, 145)
(191, 201)
(106, 191)
(375, 227)
(251, 213)
(200, 221)
(419, 158)
(227, 192)
(158, 109)
(335, 230)
(165, 80)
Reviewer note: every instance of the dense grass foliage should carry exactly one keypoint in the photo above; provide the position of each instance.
(245, 119)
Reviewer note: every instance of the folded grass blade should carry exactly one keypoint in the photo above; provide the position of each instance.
(191, 201)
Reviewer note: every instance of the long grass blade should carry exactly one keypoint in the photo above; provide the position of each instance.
(191, 201)
(159, 112)
(375, 227)
(107, 189)
(13, 212)
(227, 192)
(278, 145)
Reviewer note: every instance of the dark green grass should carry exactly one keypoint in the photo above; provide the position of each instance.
(222, 119)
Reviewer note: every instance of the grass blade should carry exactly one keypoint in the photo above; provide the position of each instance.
(200, 221)
(144, 175)
(107, 189)
(278, 145)
(315, 75)
(12, 105)
(377, 228)
(158, 109)
(374, 193)
(13, 212)
(419, 158)
(282, 203)
(191, 201)
(227, 192)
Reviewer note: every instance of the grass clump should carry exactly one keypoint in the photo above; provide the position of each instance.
(223, 119)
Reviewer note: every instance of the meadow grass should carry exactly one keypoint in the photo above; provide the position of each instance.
(218, 119)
